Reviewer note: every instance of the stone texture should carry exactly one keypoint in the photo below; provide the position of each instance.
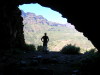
(11, 27)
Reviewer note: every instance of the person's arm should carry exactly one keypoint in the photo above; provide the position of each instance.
(41, 39)
(48, 38)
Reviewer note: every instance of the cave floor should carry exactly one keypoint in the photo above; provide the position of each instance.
(51, 63)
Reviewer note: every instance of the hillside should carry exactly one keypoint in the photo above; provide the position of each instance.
(59, 34)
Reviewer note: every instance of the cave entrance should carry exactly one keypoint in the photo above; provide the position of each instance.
(38, 19)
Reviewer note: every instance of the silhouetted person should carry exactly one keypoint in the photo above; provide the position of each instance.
(45, 40)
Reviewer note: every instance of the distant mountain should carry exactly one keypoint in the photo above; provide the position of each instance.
(60, 34)
(32, 18)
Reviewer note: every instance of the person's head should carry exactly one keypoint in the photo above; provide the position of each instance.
(45, 34)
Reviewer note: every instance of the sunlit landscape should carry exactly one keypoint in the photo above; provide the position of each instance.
(60, 34)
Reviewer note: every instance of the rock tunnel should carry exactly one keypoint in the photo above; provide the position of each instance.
(84, 15)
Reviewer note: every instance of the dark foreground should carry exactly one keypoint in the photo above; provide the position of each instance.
(40, 63)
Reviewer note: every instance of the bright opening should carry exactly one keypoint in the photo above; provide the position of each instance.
(38, 19)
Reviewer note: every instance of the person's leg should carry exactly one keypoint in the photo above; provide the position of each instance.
(45, 46)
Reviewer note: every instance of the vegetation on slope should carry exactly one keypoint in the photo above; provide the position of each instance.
(59, 34)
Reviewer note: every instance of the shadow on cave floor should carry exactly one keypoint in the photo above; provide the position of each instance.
(40, 63)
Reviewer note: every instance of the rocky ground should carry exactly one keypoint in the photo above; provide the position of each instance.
(39, 63)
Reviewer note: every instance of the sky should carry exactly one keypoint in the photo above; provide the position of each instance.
(46, 12)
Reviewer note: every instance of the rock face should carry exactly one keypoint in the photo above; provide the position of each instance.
(11, 27)
(82, 14)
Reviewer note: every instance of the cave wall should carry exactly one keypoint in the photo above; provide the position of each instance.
(11, 29)
(84, 15)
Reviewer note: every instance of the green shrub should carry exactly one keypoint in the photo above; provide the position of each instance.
(90, 62)
(39, 48)
(90, 56)
(91, 52)
(30, 47)
(70, 49)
